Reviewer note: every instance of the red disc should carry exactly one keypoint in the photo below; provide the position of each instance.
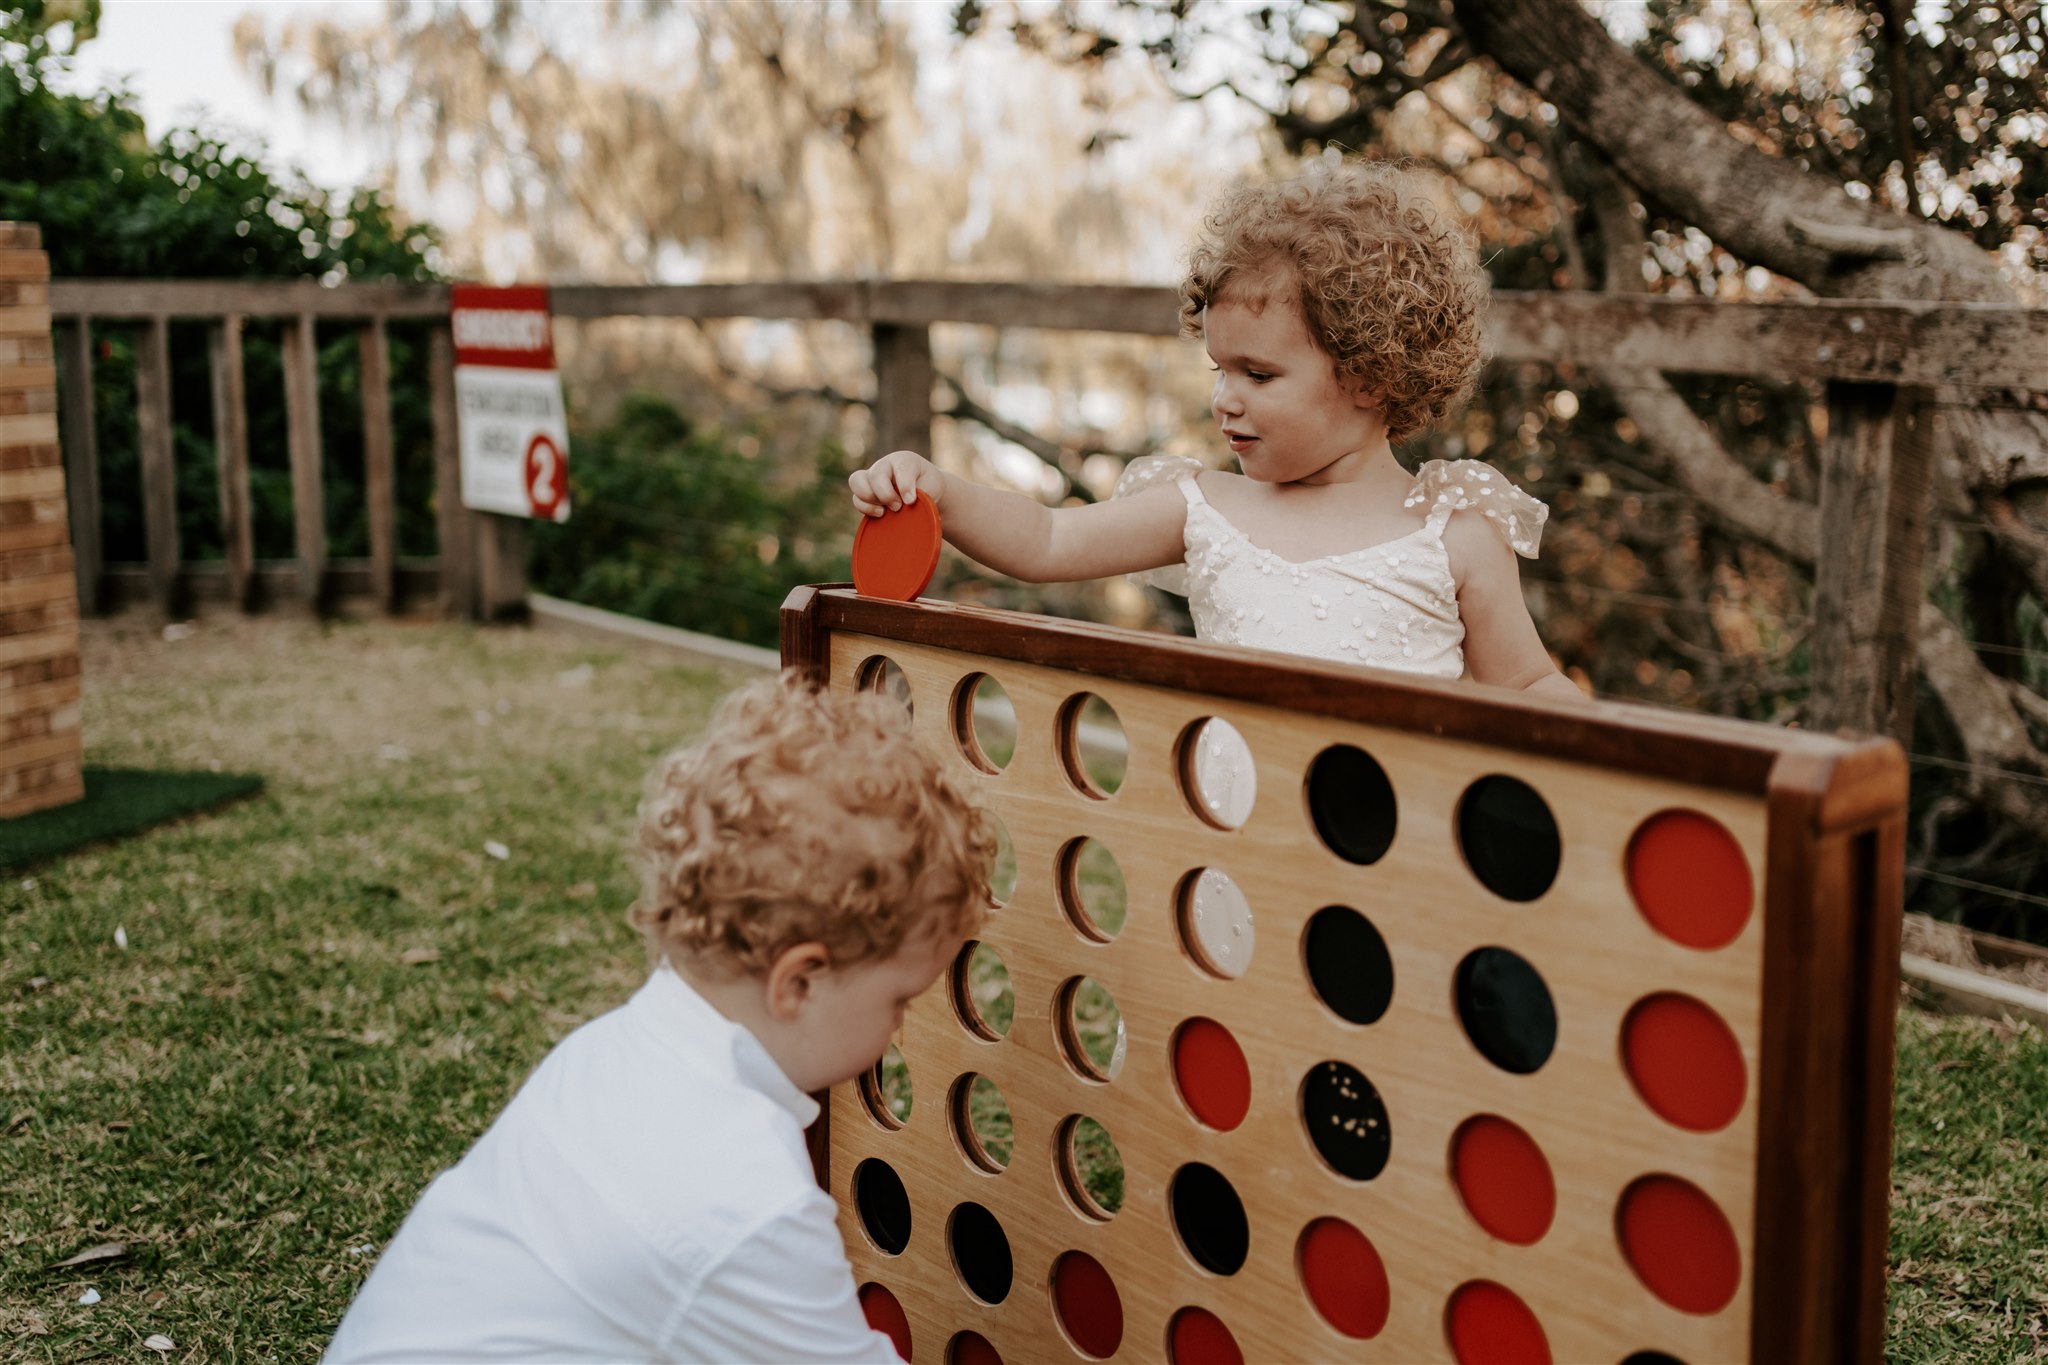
(1489, 1325)
(1087, 1303)
(894, 554)
(1198, 1337)
(1684, 1061)
(1504, 1179)
(1345, 1278)
(1680, 1244)
(971, 1348)
(1213, 1076)
(885, 1315)
(1689, 878)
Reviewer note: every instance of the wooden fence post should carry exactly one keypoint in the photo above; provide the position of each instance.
(159, 472)
(452, 520)
(903, 389)
(231, 447)
(1875, 489)
(379, 485)
(302, 435)
(81, 457)
(501, 567)
(41, 750)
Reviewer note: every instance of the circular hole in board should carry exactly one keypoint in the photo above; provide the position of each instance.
(1218, 777)
(981, 1123)
(884, 1205)
(1489, 1325)
(886, 1316)
(1090, 1028)
(984, 723)
(1091, 889)
(879, 673)
(1504, 1179)
(1344, 1278)
(982, 995)
(1091, 1169)
(1196, 1336)
(1351, 803)
(1506, 1010)
(971, 1348)
(1509, 837)
(981, 1252)
(1684, 1061)
(1689, 879)
(1091, 744)
(1210, 1071)
(885, 1090)
(1346, 1120)
(1002, 879)
(1210, 1218)
(1679, 1243)
(1085, 1300)
(1348, 964)
(1215, 923)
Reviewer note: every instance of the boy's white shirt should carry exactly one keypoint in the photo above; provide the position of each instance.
(645, 1196)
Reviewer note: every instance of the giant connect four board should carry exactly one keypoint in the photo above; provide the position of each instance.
(1335, 1015)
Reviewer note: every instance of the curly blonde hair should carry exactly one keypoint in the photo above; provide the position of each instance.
(805, 816)
(1389, 285)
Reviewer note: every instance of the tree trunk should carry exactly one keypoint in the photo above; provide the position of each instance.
(1766, 210)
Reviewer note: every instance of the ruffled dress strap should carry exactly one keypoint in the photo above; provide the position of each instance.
(1150, 471)
(1447, 486)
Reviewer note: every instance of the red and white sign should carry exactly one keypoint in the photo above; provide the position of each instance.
(514, 428)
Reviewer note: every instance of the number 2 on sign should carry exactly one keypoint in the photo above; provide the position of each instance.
(546, 478)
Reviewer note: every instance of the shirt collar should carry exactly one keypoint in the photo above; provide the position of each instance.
(686, 1020)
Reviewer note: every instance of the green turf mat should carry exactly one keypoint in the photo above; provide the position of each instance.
(118, 802)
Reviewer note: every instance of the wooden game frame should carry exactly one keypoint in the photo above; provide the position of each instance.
(1829, 898)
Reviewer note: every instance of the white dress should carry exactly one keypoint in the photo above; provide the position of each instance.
(1393, 605)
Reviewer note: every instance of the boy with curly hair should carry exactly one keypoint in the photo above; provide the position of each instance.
(1341, 310)
(647, 1195)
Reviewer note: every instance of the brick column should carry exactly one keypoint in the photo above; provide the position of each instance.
(41, 746)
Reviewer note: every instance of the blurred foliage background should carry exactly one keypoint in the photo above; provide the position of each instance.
(672, 142)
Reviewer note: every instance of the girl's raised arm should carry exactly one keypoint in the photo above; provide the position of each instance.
(1023, 538)
(1501, 643)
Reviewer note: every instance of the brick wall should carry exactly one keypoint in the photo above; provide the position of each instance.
(40, 742)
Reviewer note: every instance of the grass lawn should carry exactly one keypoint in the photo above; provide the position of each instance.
(329, 990)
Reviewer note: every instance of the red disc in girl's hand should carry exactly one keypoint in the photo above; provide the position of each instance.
(894, 554)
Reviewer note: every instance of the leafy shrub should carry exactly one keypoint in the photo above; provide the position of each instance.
(682, 526)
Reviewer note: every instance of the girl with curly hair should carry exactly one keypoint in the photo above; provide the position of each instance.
(1341, 312)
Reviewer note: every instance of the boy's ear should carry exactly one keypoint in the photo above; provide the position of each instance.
(792, 979)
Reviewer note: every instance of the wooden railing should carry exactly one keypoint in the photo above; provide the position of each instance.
(1879, 361)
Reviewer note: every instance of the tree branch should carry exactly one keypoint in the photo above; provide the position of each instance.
(1674, 150)
(1064, 460)
(1988, 716)
(1856, 241)
(1748, 200)
(2022, 545)
(1994, 733)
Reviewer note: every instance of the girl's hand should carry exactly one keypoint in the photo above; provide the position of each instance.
(895, 479)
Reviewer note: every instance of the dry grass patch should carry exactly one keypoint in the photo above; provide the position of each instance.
(1969, 1234)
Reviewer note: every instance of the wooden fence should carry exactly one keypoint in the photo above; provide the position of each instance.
(1880, 363)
